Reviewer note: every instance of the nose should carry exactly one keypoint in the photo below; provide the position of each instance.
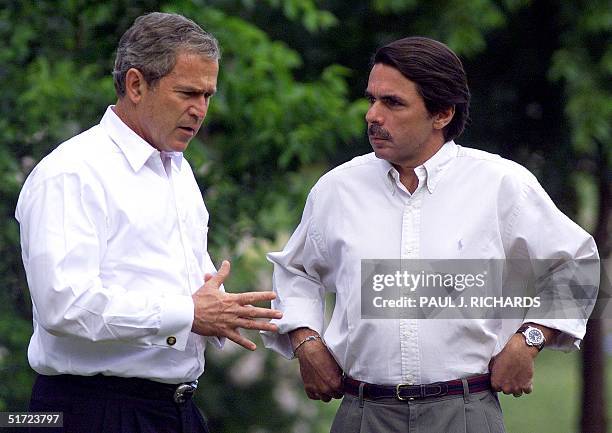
(374, 114)
(199, 108)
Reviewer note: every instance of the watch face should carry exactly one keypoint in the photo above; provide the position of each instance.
(535, 336)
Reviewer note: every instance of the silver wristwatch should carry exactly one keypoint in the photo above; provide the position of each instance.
(533, 336)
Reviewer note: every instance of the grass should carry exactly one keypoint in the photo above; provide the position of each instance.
(554, 405)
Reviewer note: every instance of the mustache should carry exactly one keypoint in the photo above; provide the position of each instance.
(378, 131)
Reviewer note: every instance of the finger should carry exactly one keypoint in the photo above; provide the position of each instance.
(259, 313)
(517, 394)
(254, 297)
(207, 277)
(491, 362)
(223, 272)
(242, 341)
(495, 386)
(326, 398)
(528, 389)
(257, 325)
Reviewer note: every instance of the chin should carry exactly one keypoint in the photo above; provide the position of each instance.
(383, 153)
(179, 147)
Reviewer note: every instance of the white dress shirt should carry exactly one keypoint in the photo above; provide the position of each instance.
(113, 245)
(469, 204)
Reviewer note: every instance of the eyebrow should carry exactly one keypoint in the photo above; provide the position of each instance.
(191, 89)
(390, 97)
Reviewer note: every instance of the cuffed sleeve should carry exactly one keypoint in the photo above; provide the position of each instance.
(176, 319)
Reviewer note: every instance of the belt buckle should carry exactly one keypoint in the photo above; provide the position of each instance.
(398, 389)
(184, 390)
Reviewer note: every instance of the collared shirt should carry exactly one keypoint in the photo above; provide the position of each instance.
(468, 204)
(113, 245)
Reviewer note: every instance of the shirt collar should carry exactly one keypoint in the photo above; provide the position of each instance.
(434, 167)
(177, 157)
(135, 149)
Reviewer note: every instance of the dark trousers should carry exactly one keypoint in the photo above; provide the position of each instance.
(100, 404)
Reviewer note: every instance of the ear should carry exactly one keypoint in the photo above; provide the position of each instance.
(135, 85)
(444, 117)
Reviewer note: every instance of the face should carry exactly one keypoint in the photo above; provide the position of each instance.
(170, 113)
(400, 128)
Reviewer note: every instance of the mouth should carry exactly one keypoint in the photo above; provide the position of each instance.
(188, 130)
(378, 139)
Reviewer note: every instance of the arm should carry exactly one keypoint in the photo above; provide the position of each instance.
(563, 257)
(64, 239)
(299, 271)
(63, 225)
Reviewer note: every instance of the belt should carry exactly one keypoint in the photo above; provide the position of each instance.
(130, 386)
(404, 391)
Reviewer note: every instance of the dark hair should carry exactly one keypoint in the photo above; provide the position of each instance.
(152, 43)
(437, 73)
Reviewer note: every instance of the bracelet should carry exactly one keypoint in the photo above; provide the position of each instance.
(309, 338)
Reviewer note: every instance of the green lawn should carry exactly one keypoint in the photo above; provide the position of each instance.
(554, 405)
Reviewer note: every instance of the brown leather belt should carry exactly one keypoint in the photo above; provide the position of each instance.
(410, 392)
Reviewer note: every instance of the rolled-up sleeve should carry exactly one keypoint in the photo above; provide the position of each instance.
(565, 261)
(297, 282)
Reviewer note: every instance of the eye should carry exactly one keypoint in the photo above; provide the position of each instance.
(392, 102)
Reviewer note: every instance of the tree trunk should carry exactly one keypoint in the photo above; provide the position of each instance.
(594, 417)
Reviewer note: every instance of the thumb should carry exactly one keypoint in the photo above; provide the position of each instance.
(492, 363)
(223, 272)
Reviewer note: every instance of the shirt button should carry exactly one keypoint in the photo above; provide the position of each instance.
(171, 340)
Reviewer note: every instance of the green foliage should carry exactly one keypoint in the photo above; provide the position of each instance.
(584, 63)
(267, 139)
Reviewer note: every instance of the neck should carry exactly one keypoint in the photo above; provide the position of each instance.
(127, 115)
(406, 168)
(409, 179)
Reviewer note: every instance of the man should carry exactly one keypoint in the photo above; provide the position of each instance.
(418, 196)
(113, 234)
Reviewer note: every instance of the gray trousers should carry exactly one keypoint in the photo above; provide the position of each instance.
(468, 413)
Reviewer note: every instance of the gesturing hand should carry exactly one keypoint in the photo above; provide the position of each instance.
(220, 314)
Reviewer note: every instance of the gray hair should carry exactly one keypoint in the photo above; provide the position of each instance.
(152, 44)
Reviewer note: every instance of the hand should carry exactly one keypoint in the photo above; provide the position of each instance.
(512, 368)
(221, 314)
(321, 374)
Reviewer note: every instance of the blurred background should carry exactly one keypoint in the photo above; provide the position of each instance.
(290, 106)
